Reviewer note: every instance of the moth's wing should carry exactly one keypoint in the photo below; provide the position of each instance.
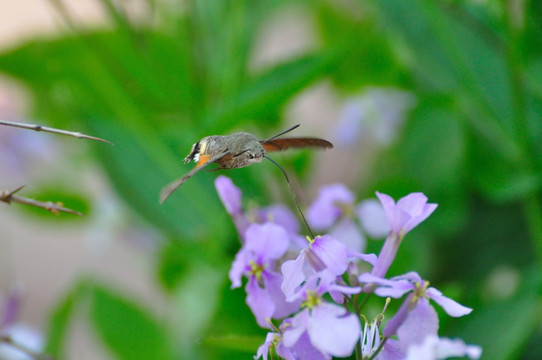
(171, 187)
(298, 143)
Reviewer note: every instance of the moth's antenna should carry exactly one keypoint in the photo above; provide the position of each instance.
(290, 186)
(282, 133)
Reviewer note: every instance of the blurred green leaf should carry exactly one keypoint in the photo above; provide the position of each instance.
(126, 329)
(448, 55)
(67, 199)
(173, 263)
(433, 148)
(220, 339)
(59, 323)
(244, 343)
(368, 58)
(497, 179)
(233, 309)
(263, 96)
(140, 166)
(511, 321)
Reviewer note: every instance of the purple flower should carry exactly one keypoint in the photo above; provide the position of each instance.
(333, 209)
(264, 244)
(372, 216)
(281, 215)
(302, 349)
(435, 348)
(409, 211)
(332, 202)
(331, 328)
(376, 114)
(347, 232)
(416, 318)
(324, 252)
(230, 195)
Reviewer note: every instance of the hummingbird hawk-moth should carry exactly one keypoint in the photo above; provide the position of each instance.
(236, 151)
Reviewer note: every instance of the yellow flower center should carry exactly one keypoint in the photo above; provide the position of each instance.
(420, 290)
(311, 300)
(256, 269)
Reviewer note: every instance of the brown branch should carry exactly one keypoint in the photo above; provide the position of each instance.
(51, 130)
(8, 196)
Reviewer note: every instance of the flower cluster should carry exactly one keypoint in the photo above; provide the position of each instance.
(309, 292)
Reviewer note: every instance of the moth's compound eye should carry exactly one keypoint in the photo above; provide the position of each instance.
(251, 156)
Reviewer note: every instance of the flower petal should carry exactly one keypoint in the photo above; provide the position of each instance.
(421, 322)
(451, 307)
(260, 302)
(298, 326)
(269, 241)
(324, 211)
(416, 206)
(293, 275)
(263, 350)
(368, 258)
(433, 348)
(240, 265)
(303, 349)
(283, 308)
(390, 209)
(333, 254)
(332, 330)
(391, 351)
(411, 276)
(456, 347)
(373, 218)
(281, 215)
(230, 195)
(391, 288)
(349, 234)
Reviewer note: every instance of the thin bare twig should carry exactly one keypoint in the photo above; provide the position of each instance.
(52, 130)
(8, 196)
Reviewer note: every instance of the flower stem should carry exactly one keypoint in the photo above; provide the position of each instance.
(379, 348)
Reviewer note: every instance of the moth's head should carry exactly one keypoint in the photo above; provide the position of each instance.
(194, 153)
(254, 154)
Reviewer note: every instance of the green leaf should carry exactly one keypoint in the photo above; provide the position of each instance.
(67, 199)
(59, 323)
(434, 147)
(173, 263)
(244, 343)
(126, 329)
(499, 180)
(511, 321)
(447, 55)
(262, 97)
(368, 57)
(139, 166)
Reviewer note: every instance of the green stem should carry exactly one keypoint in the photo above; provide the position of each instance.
(375, 354)
(358, 351)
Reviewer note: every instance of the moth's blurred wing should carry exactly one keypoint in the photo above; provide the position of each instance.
(298, 143)
(171, 187)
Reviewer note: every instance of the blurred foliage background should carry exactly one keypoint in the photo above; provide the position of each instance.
(156, 81)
